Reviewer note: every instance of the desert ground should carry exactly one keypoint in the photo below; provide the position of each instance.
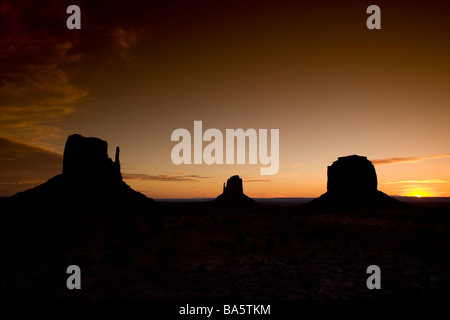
(196, 250)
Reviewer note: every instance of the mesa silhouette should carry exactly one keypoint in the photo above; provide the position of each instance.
(352, 184)
(233, 195)
(89, 177)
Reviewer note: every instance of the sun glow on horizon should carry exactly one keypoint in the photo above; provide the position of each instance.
(419, 193)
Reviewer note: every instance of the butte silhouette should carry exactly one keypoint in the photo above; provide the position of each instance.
(89, 177)
(233, 195)
(352, 183)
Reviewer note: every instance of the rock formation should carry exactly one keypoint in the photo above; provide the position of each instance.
(87, 158)
(352, 183)
(233, 186)
(89, 177)
(233, 194)
(352, 175)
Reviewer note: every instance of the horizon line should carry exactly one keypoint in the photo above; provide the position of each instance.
(207, 198)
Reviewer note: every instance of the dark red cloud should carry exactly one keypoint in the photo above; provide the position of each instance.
(36, 89)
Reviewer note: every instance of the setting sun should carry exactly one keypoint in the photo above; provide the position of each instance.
(419, 193)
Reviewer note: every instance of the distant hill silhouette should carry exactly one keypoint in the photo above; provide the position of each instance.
(352, 183)
(233, 195)
(89, 177)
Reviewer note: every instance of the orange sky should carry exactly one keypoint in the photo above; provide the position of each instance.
(137, 71)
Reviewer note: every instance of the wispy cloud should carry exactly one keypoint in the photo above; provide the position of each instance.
(126, 38)
(24, 166)
(431, 181)
(162, 177)
(268, 195)
(300, 164)
(253, 179)
(288, 175)
(407, 159)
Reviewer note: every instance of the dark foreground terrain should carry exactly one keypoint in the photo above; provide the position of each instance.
(198, 250)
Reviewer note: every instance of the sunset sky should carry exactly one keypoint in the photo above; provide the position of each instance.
(138, 70)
